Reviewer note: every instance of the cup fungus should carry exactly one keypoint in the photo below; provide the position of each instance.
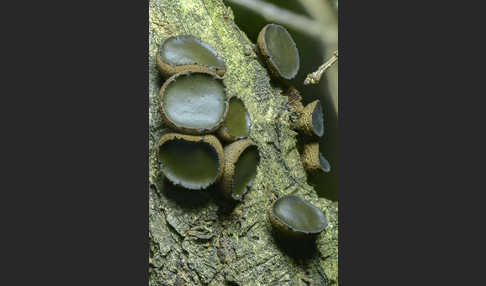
(240, 168)
(237, 123)
(313, 160)
(279, 50)
(193, 102)
(187, 52)
(297, 218)
(311, 120)
(193, 162)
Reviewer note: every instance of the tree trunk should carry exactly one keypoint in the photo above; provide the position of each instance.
(198, 238)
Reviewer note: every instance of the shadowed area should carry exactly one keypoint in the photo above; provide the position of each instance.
(237, 121)
(282, 50)
(194, 165)
(297, 248)
(299, 214)
(185, 198)
(187, 50)
(195, 101)
(245, 171)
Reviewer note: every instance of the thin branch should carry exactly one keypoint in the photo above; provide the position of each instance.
(315, 77)
(276, 14)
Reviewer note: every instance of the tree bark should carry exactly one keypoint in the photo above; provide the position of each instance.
(198, 238)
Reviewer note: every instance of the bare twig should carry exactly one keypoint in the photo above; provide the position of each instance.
(325, 13)
(315, 77)
(285, 17)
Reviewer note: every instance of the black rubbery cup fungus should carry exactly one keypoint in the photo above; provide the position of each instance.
(187, 52)
(237, 123)
(311, 119)
(297, 218)
(313, 160)
(193, 102)
(193, 162)
(279, 50)
(240, 168)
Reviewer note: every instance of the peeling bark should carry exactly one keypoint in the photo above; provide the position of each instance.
(198, 238)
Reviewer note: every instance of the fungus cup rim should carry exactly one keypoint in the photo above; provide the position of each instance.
(210, 140)
(169, 70)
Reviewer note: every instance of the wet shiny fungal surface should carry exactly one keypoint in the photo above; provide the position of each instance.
(195, 101)
(189, 50)
(237, 122)
(245, 171)
(281, 50)
(192, 164)
(299, 214)
(318, 120)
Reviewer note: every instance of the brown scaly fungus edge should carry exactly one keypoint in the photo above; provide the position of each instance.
(182, 129)
(231, 154)
(209, 139)
(311, 159)
(305, 122)
(169, 70)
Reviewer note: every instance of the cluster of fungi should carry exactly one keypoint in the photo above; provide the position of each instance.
(193, 103)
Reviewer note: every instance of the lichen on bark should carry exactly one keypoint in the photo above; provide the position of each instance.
(197, 238)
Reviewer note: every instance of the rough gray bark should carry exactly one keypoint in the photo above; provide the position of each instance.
(197, 238)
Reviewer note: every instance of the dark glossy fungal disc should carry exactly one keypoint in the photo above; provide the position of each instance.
(318, 120)
(241, 161)
(237, 123)
(295, 216)
(326, 167)
(279, 49)
(187, 52)
(193, 102)
(194, 162)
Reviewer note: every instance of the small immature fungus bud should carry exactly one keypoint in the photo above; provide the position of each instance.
(293, 94)
(187, 52)
(311, 120)
(296, 217)
(313, 160)
(193, 102)
(279, 50)
(240, 168)
(237, 123)
(193, 162)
